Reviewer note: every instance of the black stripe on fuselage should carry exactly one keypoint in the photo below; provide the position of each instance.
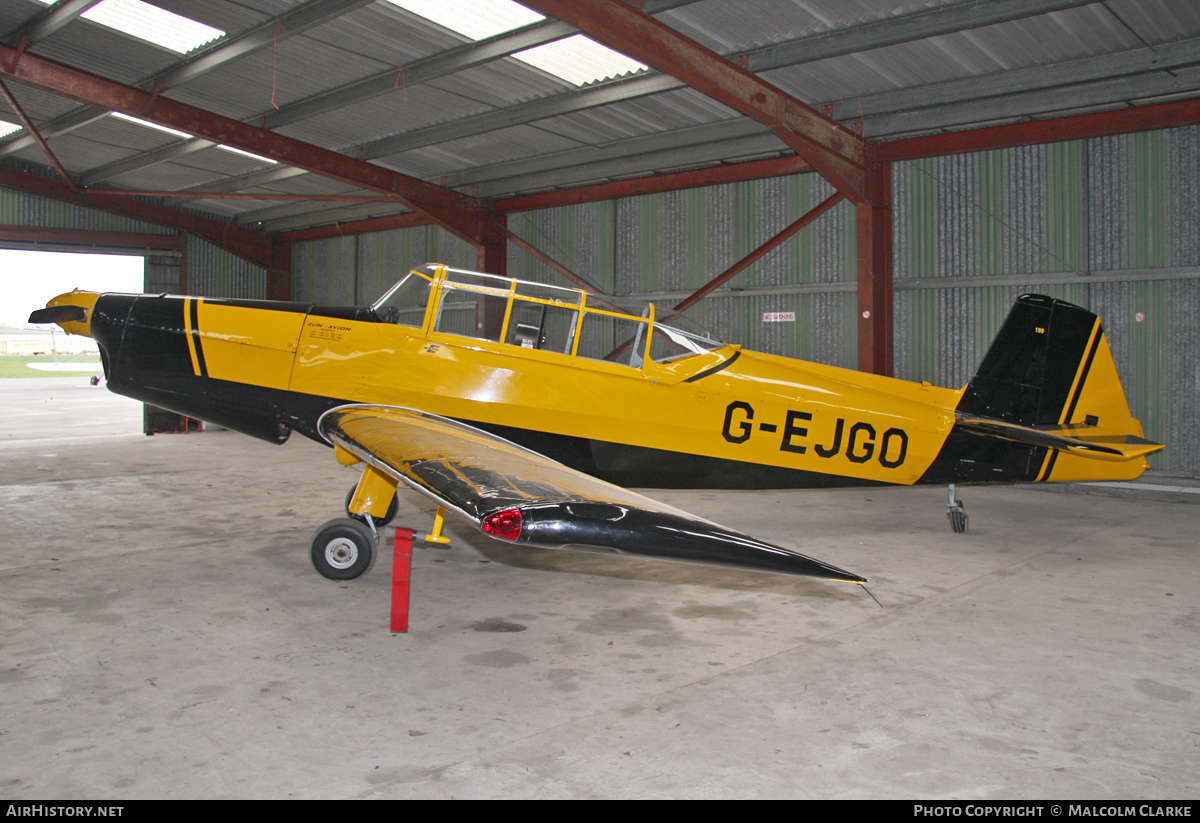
(196, 338)
(648, 468)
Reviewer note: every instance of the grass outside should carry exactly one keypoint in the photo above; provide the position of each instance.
(13, 365)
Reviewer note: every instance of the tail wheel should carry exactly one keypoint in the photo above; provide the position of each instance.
(343, 549)
(958, 519)
(392, 508)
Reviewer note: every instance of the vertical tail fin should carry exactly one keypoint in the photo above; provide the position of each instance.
(1036, 368)
(1050, 367)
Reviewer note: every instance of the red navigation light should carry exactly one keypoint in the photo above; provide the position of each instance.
(504, 524)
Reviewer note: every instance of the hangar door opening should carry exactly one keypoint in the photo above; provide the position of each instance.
(32, 273)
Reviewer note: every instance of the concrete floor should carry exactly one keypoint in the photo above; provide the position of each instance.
(165, 636)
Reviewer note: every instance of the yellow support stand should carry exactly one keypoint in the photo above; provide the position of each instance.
(435, 536)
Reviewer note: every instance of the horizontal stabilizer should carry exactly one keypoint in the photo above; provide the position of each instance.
(1084, 440)
(517, 495)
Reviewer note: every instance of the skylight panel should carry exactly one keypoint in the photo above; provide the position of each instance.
(150, 23)
(148, 124)
(475, 19)
(165, 130)
(576, 59)
(257, 157)
(579, 59)
(8, 128)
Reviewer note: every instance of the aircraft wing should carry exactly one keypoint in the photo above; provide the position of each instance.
(514, 494)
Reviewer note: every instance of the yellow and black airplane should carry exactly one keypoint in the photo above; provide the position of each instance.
(524, 408)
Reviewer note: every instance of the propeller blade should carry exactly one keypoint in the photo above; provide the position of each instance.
(59, 314)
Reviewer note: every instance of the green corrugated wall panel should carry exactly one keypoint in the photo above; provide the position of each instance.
(1125, 202)
(1151, 194)
(325, 271)
(992, 176)
(348, 271)
(1157, 359)
(1065, 194)
(679, 241)
(578, 237)
(214, 272)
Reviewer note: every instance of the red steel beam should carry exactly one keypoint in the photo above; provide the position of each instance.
(731, 272)
(1140, 118)
(90, 238)
(836, 152)
(655, 183)
(1072, 127)
(246, 243)
(226, 195)
(651, 184)
(374, 224)
(35, 134)
(457, 212)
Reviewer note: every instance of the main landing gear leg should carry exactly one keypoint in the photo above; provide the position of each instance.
(346, 548)
(956, 512)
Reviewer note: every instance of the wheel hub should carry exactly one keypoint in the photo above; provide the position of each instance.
(341, 553)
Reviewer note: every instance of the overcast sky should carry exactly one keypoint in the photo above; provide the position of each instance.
(29, 278)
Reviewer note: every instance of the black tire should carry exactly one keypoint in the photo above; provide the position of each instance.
(392, 508)
(958, 520)
(343, 549)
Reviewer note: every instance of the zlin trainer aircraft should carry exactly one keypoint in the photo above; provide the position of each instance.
(524, 408)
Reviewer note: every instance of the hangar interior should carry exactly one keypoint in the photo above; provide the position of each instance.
(889, 175)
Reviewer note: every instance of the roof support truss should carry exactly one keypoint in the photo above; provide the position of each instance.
(248, 244)
(459, 213)
(291, 23)
(836, 152)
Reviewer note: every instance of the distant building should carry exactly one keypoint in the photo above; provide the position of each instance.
(41, 341)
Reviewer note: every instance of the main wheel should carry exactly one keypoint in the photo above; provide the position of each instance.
(343, 549)
(392, 508)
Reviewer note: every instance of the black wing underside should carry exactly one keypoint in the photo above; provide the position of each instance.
(510, 492)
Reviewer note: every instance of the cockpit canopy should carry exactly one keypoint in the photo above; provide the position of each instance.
(540, 316)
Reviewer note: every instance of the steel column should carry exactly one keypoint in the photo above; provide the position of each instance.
(875, 305)
(493, 253)
(279, 273)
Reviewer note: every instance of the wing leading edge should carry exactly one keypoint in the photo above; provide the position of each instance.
(514, 494)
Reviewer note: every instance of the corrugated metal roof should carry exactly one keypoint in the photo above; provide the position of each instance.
(894, 85)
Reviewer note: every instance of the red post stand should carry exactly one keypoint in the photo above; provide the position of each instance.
(401, 578)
